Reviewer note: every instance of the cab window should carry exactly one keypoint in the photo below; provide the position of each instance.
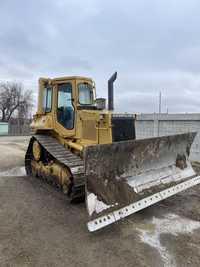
(47, 99)
(85, 94)
(65, 109)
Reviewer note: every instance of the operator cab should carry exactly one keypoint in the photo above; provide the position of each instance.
(66, 102)
(63, 96)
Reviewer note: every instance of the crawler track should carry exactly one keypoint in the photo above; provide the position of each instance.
(53, 150)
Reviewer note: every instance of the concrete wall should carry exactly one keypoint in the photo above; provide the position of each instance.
(152, 125)
(3, 128)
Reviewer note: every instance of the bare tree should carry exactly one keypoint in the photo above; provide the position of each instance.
(14, 100)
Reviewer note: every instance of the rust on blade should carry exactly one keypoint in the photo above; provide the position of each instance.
(120, 173)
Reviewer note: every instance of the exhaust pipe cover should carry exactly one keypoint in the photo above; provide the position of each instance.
(110, 91)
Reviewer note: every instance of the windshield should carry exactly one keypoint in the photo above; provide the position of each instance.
(85, 94)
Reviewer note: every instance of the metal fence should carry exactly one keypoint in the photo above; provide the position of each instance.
(147, 125)
(19, 127)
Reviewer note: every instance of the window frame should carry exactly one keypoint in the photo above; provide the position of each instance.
(91, 89)
(45, 91)
(60, 84)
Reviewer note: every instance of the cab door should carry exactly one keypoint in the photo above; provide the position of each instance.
(65, 112)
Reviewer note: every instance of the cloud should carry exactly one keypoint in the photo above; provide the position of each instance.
(153, 45)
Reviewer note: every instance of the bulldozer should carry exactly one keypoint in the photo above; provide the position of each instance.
(91, 153)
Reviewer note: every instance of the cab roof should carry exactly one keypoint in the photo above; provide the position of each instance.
(71, 78)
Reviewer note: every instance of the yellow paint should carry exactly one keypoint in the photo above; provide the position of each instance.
(90, 126)
(36, 150)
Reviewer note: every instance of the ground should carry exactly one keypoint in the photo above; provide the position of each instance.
(38, 227)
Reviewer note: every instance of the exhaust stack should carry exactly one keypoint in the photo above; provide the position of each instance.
(110, 91)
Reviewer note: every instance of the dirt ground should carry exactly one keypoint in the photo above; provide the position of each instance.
(39, 228)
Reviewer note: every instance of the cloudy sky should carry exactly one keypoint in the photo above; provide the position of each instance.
(153, 44)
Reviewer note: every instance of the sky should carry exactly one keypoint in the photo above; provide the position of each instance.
(154, 46)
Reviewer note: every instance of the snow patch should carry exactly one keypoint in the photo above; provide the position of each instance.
(171, 224)
(95, 205)
(155, 177)
(17, 171)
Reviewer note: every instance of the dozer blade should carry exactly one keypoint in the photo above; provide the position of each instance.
(125, 177)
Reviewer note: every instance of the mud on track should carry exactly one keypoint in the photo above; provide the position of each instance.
(39, 228)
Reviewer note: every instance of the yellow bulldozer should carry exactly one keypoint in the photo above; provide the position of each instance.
(90, 152)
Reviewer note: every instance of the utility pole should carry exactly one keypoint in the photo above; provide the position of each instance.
(159, 111)
(160, 102)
